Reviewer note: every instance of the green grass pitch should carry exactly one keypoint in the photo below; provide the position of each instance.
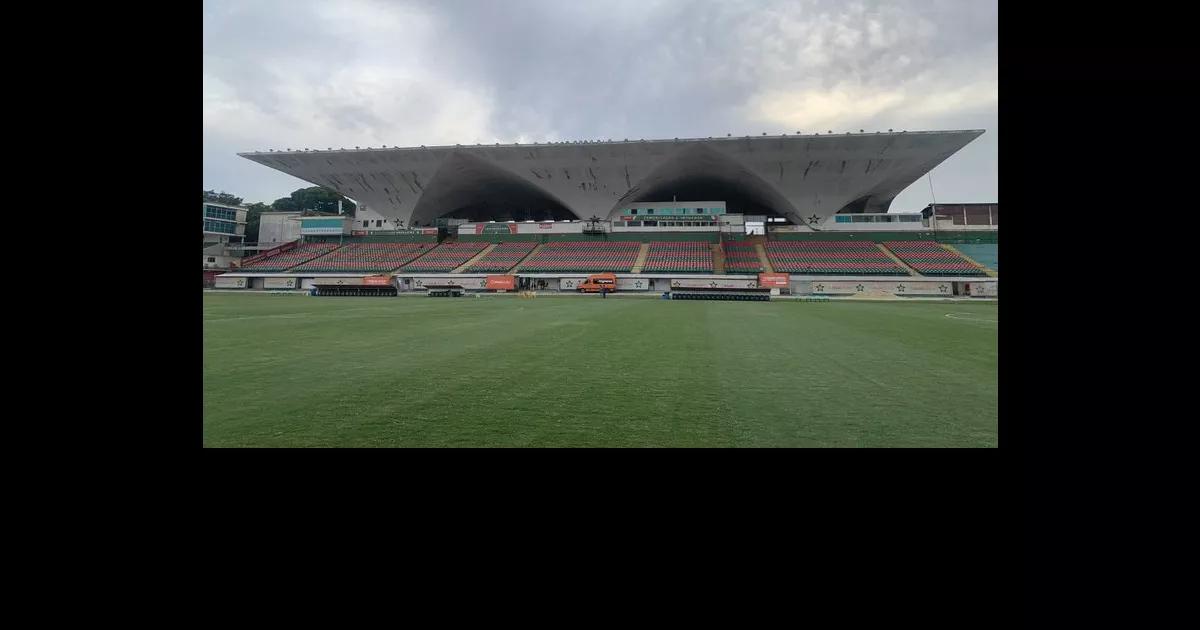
(294, 370)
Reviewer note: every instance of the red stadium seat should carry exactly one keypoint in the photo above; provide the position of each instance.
(367, 257)
(931, 259)
(291, 257)
(504, 257)
(584, 256)
(831, 257)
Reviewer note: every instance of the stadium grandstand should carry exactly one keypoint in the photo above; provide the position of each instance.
(793, 215)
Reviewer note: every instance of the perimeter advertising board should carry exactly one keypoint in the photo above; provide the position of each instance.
(714, 283)
(377, 281)
(773, 280)
(501, 283)
(466, 283)
(229, 283)
(893, 287)
(279, 283)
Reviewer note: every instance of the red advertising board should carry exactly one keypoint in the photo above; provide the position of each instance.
(377, 280)
(428, 231)
(358, 232)
(772, 280)
(545, 226)
(506, 283)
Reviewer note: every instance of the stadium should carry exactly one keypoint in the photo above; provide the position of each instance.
(589, 272)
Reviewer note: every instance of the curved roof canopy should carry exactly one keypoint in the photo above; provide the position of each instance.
(801, 177)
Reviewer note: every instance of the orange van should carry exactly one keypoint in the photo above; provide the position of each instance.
(598, 282)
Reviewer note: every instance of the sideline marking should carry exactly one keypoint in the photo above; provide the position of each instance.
(971, 319)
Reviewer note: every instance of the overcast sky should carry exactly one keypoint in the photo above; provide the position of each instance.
(341, 73)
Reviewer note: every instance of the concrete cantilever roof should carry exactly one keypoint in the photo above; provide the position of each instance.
(797, 176)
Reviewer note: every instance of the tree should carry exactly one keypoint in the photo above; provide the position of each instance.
(222, 197)
(285, 204)
(253, 214)
(316, 199)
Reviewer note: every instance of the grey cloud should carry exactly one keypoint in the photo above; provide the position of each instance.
(593, 70)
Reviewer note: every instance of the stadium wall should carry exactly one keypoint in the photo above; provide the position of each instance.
(879, 237)
(374, 238)
(641, 237)
(499, 238)
(867, 288)
(645, 237)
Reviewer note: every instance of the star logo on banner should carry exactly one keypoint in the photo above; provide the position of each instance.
(637, 284)
(820, 287)
(860, 288)
(942, 288)
(900, 288)
(712, 284)
(814, 218)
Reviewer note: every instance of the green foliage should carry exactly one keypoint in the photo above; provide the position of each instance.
(222, 197)
(316, 199)
(253, 215)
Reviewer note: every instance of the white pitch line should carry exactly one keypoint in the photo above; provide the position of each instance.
(971, 319)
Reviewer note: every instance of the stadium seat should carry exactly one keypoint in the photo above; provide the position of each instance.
(367, 257)
(831, 258)
(692, 257)
(983, 253)
(504, 257)
(584, 256)
(446, 257)
(741, 257)
(291, 257)
(930, 259)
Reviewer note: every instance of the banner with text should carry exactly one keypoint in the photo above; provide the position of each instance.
(377, 281)
(892, 287)
(504, 283)
(773, 280)
(702, 283)
(495, 228)
(466, 283)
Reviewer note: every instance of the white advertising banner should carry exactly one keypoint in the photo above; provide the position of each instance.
(279, 283)
(985, 289)
(466, 283)
(750, 282)
(230, 283)
(635, 284)
(919, 287)
(890, 287)
(570, 284)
